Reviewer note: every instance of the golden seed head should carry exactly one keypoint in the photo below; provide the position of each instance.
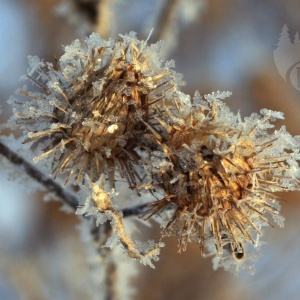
(93, 106)
(219, 172)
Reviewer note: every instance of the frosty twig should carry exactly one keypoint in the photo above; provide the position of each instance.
(48, 183)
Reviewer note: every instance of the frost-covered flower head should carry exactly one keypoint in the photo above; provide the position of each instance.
(94, 104)
(220, 172)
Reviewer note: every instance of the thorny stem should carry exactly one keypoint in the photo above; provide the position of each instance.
(38, 176)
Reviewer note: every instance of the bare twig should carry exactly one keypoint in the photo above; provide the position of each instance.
(38, 176)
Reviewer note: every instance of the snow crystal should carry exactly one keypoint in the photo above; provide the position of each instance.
(144, 247)
(34, 63)
(95, 41)
(228, 261)
(197, 96)
(272, 114)
(89, 209)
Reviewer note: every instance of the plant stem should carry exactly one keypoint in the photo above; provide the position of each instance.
(38, 176)
(53, 186)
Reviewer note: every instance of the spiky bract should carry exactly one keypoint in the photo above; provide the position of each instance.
(219, 172)
(93, 105)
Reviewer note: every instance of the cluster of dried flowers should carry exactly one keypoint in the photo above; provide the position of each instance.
(111, 110)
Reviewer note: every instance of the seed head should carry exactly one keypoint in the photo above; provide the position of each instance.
(219, 172)
(93, 105)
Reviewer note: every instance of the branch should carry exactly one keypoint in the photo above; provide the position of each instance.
(38, 176)
(135, 211)
(53, 186)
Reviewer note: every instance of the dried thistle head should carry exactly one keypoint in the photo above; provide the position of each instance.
(220, 172)
(93, 105)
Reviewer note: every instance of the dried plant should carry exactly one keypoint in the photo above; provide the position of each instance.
(110, 120)
(219, 173)
(110, 110)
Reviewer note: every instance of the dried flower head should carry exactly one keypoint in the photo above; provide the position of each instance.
(219, 172)
(94, 104)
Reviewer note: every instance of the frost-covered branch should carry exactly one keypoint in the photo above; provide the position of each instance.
(38, 176)
(99, 204)
(87, 8)
(52, 186)
(173, 16)
(135, 211)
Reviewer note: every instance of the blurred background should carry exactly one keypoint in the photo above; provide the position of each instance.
(217, 45)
